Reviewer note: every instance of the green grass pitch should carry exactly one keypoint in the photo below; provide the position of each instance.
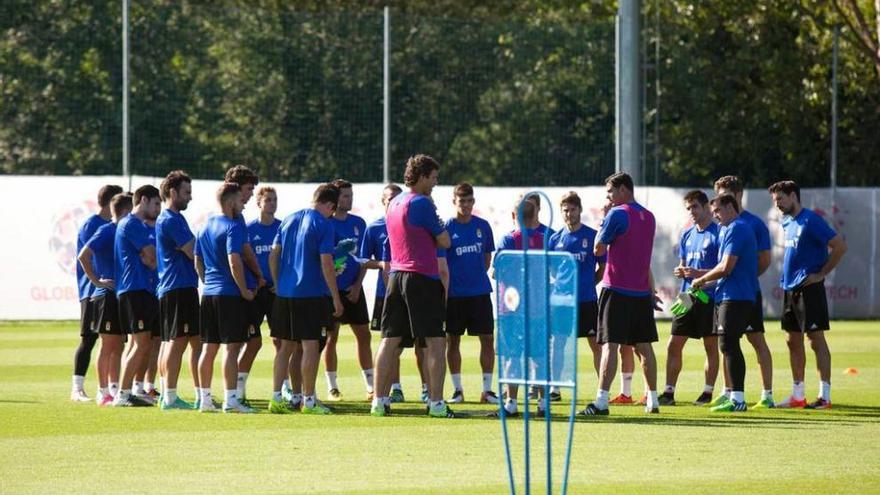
(49, 444)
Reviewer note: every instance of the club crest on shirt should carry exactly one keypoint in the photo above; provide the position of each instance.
(480, 233)
(585, 243)
(705, 243)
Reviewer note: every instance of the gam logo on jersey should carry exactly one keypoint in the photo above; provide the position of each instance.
(62, 238)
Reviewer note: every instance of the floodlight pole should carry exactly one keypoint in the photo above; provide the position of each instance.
(386, 100)
(126, 171)
(628, 107)
(834, 109)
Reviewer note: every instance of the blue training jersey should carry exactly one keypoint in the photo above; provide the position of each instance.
(806, 247)
(348, 234)
(176, 269)
(699, 249)
(101, 243)
(470, 243)
(153, 273)
(261, 237)
(580, 243)
(373, 247)
(132, 236)
(303, 236)
(88, 228)
(220, 237)
(738, 239)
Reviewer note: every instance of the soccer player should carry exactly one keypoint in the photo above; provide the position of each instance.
(178, 288)
(88, 335)
(223, 311)
(96, 261)
(144, 384)
(414, 303)
(349, 230)
(627, 303)
(731, 184)
(134, 260)
(301, 262)
(579, 240)
(698, 253)
(807, 262)
(247, 179)
(469, 305)
(735, 292)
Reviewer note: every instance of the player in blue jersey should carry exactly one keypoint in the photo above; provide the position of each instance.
(96, 260)
(88, 335)
(307, 298)
(223, 310)
(808, 240)
(178, 289)
(350, 273)
(735, 292)
(247, 179)
(697, 253)
(579, 240)
(469, 302)
(144, 384)
(134, 260)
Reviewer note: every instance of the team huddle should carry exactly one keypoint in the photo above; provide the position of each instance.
(140, 266)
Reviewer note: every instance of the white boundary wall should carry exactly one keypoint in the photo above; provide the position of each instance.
(41, 216)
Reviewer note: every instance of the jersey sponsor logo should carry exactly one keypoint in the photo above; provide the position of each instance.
(262, 248)
(471, 249)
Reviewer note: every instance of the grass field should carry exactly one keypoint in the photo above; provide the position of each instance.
(49, 444)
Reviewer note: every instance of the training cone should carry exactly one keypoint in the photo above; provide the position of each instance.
(851, 372)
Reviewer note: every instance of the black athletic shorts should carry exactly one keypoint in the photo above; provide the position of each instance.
(258, 310)
(302, 318)
(625, 319)
(756, 320)
(588, 318)
(105, 314)
(376, 321)
(731, 318)
(805, 309)
(87, 317)
(353, 313)
(471, 314)
(139, 312)
(179, 313)
(414, 307)
(696, 323)
(223, 320)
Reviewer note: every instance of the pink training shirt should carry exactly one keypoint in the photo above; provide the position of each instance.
(628, 230)
(413, 224)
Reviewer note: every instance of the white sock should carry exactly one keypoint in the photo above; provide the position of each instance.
(652, 401)
(767, 394)
(386, 401)
(229, 397)
(169, 395)
(601, 399)
(276, 396)
(331, 380)
(708, 389)
(396, 386)
(78, 382)
(728, 391)
(510, 406)
(309, 401)
(206, 395)
(368, 379)
(241, 384)
(138, 388)
(487, 382)
(738, 396)
(554, 389)
(626, 382)
(286, 385)
(825, 391)
(378, 401)
(456, 380)
(669, 388)
(797, 390)
(198, 391)
(424, 387)
(114, 389)
(296, 398)
(124, 393)
(161, 383)
(149, 386)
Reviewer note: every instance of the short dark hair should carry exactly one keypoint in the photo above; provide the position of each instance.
(419, 166)
(393, 187)
(264, 191)
(342, 184)
(786, 187)
(620, 179)
(529, 209)
(106, 193)
(571, 198)
(726, 199)
(242, 175)
(730, 182)
(120, 202)
(326, 193)
(226, 190)
(173, 181)
(534, 198)
(463, 189)
(146, 191)
(696, 195)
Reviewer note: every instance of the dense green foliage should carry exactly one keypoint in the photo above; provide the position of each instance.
(508, 93)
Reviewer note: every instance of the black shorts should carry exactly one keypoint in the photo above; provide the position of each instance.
(139, 312)
(87, 318)
(258, 310)
(756, 320)
(105, 314)
(179, 313)
(588, 318)
(471, 314)
(696, 323)
(376, 321)
(223, 320)
(624, 319)
(805, 309)
(301, 318)
(731, 318)
(414, 307)
(353, 313)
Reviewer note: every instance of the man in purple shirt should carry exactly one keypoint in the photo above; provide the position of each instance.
(415, 302)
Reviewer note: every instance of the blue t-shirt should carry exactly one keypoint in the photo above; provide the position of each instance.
(806, 247)
(132, 236)
(699, 249)
(762, 233)
(738, 239)
(580, 243)
(466, 257)
(347, 241)
(303, 236)
(373, 247)
(91, 225)
(154, 274)
(220, 237)
(101, 244)
(250, 279)
(176, 269)
(262, 237)
(614, 224)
